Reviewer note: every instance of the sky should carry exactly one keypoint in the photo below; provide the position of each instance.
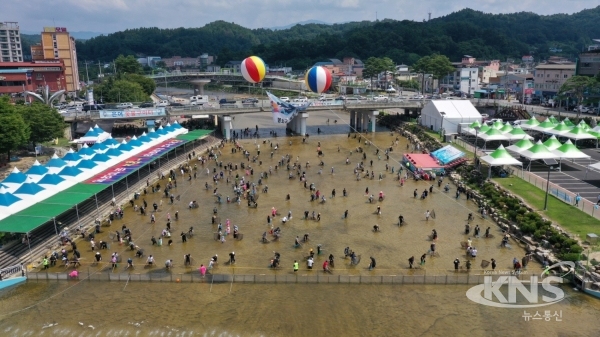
(107, 16)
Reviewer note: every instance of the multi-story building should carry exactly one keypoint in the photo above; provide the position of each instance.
(149, 61)
(17, 77)
(10, 42)
(466, 80)
(548, 78)
(57, 44)
(589, 63)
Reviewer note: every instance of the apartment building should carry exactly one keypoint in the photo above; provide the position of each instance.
(548, 78)
(10, 42)
(57, 44)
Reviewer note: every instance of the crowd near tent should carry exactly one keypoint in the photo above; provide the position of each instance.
(450, 112)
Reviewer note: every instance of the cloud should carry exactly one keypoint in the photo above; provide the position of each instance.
(113, 15)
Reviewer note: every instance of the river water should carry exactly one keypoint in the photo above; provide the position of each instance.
(95, 308)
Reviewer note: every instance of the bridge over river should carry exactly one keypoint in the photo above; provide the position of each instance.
(361, 114)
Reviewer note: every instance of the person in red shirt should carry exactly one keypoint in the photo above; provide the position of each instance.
(326, 266)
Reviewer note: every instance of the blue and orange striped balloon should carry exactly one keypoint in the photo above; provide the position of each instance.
(253, 69)
(318, 79)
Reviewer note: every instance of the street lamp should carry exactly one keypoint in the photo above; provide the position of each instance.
(442, 125)
(550, 163)
(476, 133)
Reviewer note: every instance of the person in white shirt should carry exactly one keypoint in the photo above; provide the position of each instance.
(474, 252)
(309, 263)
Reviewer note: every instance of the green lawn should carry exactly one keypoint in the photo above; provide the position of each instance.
(568, 217)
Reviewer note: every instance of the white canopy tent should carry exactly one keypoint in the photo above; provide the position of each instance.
(500, 157)
(448, 114)
(536, 152)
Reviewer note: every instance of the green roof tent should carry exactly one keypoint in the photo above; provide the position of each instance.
(569, 151)
(499, 157)
(517, 134)
(544, 126)
(506, 128)
(538, 151)
(520, 146)
(559, 129)
(492, 134)
(552, 143)
(568, 122)
(532, 122)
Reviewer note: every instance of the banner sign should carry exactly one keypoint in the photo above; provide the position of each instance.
(134, 163)
(284, 112)
(133, 113)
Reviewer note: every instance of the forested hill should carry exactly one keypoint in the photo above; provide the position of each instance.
(467, 31)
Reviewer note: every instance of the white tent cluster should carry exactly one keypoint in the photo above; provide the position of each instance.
(20, 190)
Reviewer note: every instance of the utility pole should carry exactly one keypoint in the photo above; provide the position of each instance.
(87, 74)
(99, 70)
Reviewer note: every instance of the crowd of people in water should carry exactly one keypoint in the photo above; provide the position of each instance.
(244, 183)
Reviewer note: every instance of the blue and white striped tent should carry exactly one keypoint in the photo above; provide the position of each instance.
(70, 171)
(37, 169)
(29, 189)
(16, 177)
(72, 156)
(6, 198)
(51, 179)
(86, 164)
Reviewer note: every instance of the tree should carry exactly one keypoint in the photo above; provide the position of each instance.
(128, 65)
(577, 86)
(161, 64)
(44, 120)
(375, 66)
(370, 69)
(147, 84)
(410, 84)
(125, 91)
(436, 65)
(14, 132)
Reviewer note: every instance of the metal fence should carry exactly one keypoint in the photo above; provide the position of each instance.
(312, 277)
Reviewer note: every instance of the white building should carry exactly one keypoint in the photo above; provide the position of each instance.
(10, 42)
(466, 80)
(449, 113)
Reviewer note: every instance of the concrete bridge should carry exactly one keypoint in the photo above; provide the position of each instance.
(362, 115)
(200, 79)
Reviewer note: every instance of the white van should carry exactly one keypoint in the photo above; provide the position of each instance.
(199, 100)
(125, 105)
(163, 102)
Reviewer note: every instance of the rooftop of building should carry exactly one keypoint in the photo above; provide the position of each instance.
(31, 64)
(548, 66)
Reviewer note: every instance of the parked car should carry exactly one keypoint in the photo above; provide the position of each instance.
(352, 100)
(382, 98)
(91, 107)
(583, 109)
(147, 105)
(125, 105)
(250, 100)
(68, 110)
(176, 104)
(284, 99)
(164, 102)
(226, 101)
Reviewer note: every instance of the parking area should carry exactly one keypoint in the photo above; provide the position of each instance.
(574, 175)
